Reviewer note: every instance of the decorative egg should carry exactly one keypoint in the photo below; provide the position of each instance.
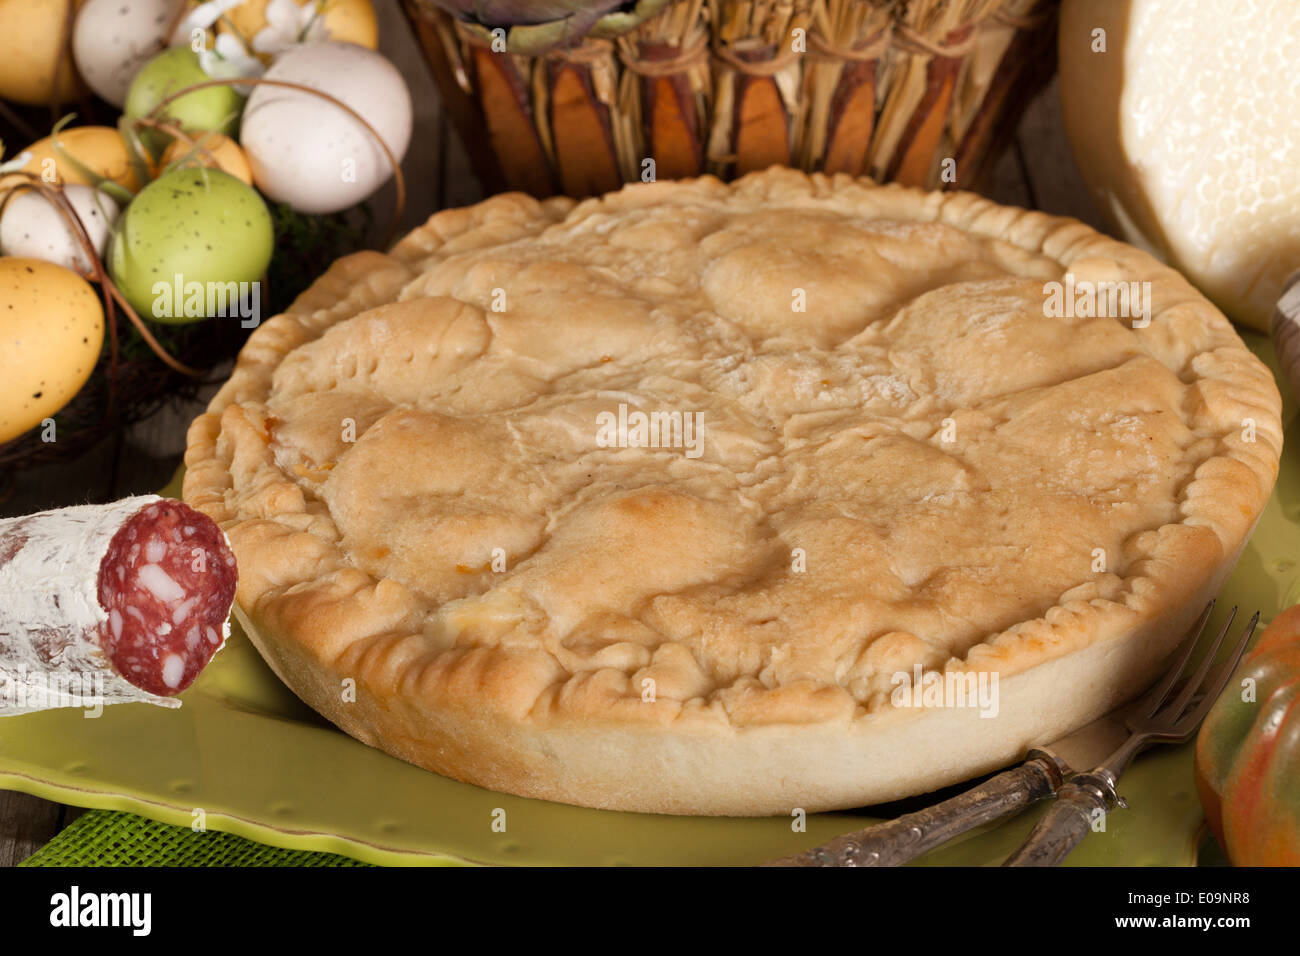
(32, 227)
(212, 108)
(113, 39)
(33, 69)
(342, 21)
(100, 149)
(51, 331)
(191, 233)
(213, 151)
(309, 153)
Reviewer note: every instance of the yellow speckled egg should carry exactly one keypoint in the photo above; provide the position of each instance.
(344, 21)
(99, 148)
(31, 37)
(212, 150)
(51, 331)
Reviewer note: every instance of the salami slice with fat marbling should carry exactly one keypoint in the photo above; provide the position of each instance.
(111, 603)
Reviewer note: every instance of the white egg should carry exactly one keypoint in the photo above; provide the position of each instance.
(309, 153)
(32, 228)
(112, 39)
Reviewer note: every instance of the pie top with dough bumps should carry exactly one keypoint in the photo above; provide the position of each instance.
(647, 501)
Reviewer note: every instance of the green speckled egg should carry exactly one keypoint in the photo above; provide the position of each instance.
(214, 108)
(190, 232)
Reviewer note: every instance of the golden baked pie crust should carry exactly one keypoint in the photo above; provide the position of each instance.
(918, 469)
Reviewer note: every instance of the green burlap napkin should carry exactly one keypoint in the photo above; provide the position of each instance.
(109, 838)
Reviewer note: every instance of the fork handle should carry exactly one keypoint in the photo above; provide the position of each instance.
(1067, 821)
(908, 836)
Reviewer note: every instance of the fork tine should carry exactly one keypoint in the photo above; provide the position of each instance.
(1194, 682)
(1151, 701)
(1221, 677)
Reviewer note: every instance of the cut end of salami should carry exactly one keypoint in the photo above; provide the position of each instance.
(167, 582)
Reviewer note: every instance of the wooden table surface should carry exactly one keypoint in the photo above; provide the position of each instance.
(1037, 173)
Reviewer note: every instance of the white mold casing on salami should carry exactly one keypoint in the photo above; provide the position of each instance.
(50, 614)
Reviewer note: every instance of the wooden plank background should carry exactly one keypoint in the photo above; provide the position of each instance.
(1037, 173)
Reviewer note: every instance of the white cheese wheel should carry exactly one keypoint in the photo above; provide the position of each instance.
(1187, 130)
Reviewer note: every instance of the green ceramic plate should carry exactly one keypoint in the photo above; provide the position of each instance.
(253, 760)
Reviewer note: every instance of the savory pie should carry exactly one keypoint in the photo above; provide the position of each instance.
(676, 500)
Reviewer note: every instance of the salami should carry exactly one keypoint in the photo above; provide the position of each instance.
(120, 602)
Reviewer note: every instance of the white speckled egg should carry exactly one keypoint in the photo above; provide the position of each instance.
(112, 39)
(32, 227)
(309, 153)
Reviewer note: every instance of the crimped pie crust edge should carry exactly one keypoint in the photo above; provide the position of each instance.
(470, 714)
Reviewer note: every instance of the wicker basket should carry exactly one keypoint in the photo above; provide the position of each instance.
(922, 92)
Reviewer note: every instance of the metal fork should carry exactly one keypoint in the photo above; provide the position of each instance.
(1086, 797)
